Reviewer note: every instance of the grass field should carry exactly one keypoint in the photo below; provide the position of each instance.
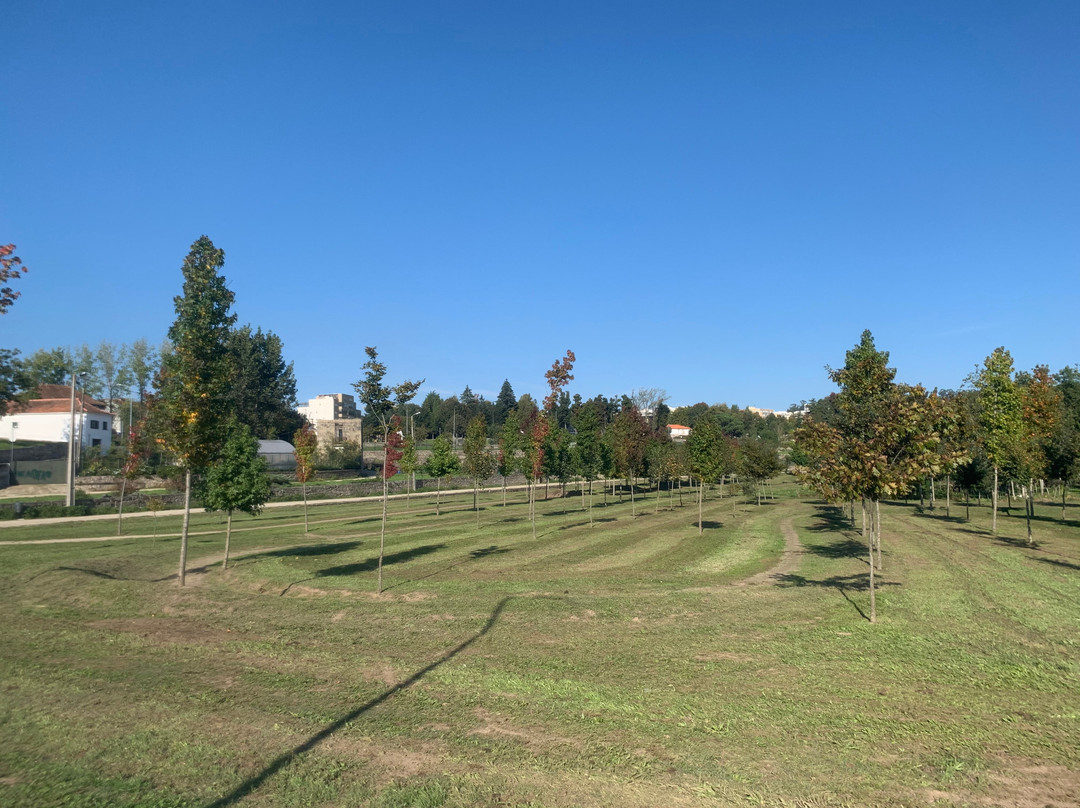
(622, 664)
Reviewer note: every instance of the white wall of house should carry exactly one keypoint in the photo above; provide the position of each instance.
(96, 430)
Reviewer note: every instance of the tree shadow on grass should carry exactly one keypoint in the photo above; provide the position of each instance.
(474, 555)
(843, 583)
(95, 573)
(831, 519)
(596, 521)
(845, 548)
(279, 763)
(1059, 563)
(371, 564)
(708, 524)
(365, 566)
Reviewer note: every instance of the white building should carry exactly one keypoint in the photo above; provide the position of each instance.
(679, 432)
(48, 418)
(329, 407)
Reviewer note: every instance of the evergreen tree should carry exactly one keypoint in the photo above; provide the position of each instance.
(190, 408)
(504, 402)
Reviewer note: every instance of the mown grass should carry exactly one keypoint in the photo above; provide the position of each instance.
(618, 664)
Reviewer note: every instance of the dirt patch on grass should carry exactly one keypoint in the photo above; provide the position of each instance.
(789, 561)
(167, 630)
(1019, 784)
(390, 762)
(498, 726)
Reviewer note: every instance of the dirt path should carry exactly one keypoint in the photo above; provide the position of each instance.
(789, 561)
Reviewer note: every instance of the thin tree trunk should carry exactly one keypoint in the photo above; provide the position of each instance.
(948, 496)
(385, 496)
(633, 505)
(590, 503)
(877, 531)
(438, 492)
(700, 525)
(532, 507)
(933, 493)
(1011, 492)
(1064, 488)
(475, 504)
(304, 487)
(967, 505)
(873, 597)
(184, 529)
(504, 490)
(228, 537)
(657, 509)
(120, 513)
(864, 517)
(994, 502)
(1030, 508)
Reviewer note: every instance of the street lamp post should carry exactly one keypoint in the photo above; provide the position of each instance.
(11, 462)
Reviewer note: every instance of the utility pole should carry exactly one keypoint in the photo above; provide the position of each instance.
(70, 499)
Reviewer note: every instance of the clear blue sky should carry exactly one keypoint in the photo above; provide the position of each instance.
(714, 198)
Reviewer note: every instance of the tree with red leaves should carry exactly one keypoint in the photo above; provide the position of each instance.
(11, 267)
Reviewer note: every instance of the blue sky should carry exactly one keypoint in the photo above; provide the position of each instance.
(713, 198)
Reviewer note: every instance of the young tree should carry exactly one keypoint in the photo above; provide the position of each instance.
(379, 402)
(510, 442)
(305, 444)
(630, 435)
(479, 462)
(11, 267)
(588, 456)
(999, 414)
(441, 463)
(190, 412)
(707, 456)
(880, 439)
(1040, 412)
(237, 481)
(410, 463)
(132, 466)
(758, 462)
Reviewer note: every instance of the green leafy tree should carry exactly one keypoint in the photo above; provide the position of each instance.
(142, 362)
(43, 366)
(190, 408)
(587, 453)
(510, 443)
(112, 364)
(237, 481)
(262, 393)
(305, 446)
(441, 463)
(630, 435)
(707, 456)
(879, 440)
(379, 402)
(999, 414)
(1041, 412)
(479, 462)
(759, 461)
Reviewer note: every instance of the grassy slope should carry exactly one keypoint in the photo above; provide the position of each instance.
(612, 665)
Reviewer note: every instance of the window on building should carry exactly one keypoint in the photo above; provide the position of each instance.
(95, 442)
(93, 424)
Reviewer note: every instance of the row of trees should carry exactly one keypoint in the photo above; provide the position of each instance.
(877, 438)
